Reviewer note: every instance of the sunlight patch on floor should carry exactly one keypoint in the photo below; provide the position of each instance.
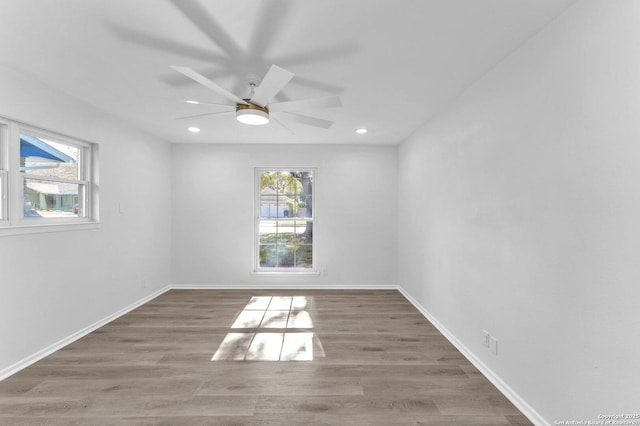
(271, 328)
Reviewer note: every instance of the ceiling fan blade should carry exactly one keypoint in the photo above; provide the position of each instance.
(272, 83)
(210, 103)
(281, 124)
(202, 115)
(310, 121)
(328, 102)
(194, 75)
(204, 20)
(178, 80)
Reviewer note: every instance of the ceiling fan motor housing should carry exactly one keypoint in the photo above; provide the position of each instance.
(251, 113)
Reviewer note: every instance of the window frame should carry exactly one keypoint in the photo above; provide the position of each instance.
(257, 269)
(13, 222)
(4, 176)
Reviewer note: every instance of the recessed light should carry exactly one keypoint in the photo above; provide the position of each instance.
(193, 129)
(361, 131)
(193, 102)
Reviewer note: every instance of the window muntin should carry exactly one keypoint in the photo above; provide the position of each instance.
(285, 219)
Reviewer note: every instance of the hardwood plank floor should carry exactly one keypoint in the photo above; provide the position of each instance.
(292, 358)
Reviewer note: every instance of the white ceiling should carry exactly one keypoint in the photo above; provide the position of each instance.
(394, 63)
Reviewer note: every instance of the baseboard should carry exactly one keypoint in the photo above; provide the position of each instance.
(506, 390)
(282, 286)
(12, 369)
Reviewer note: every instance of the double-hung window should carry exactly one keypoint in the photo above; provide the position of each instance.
(285, 216)
(45, 178)
(3, 173)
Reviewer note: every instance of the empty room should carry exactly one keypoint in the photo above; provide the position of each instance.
(279, 212)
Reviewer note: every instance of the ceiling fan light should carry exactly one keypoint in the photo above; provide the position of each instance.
(253, 117)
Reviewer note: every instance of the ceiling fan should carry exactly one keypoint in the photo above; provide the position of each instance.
(258, 108)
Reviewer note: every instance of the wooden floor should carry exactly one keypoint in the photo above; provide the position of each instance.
(319, 358)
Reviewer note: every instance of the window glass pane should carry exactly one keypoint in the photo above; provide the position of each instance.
(2, 195)
(303, 243)
(274, 203)
(286, 243)
(45, 157)
(268, 256)
(286, 194)
(268, 231)
(50, 199)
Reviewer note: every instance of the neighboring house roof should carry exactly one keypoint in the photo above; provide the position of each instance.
(33, 147)
(53, 188)
(271, 196)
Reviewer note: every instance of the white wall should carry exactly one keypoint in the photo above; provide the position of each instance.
(53, 285)
(520, 214)
(213, 211)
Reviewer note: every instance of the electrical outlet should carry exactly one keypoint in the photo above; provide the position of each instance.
(494, 345)
(486, 338)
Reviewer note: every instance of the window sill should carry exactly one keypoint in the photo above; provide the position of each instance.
(9, 230)
(282, 273)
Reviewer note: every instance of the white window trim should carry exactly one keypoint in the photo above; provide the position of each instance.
(257, 270)
(13, 222)
(4, 153)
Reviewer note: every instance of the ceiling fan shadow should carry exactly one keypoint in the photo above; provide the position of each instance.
(166, 45)
(318, 85)
(203, 19)
(317, 55)
(272, 17)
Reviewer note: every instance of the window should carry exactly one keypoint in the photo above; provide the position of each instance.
(285, 212)
(45, 178)
(3, 173)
